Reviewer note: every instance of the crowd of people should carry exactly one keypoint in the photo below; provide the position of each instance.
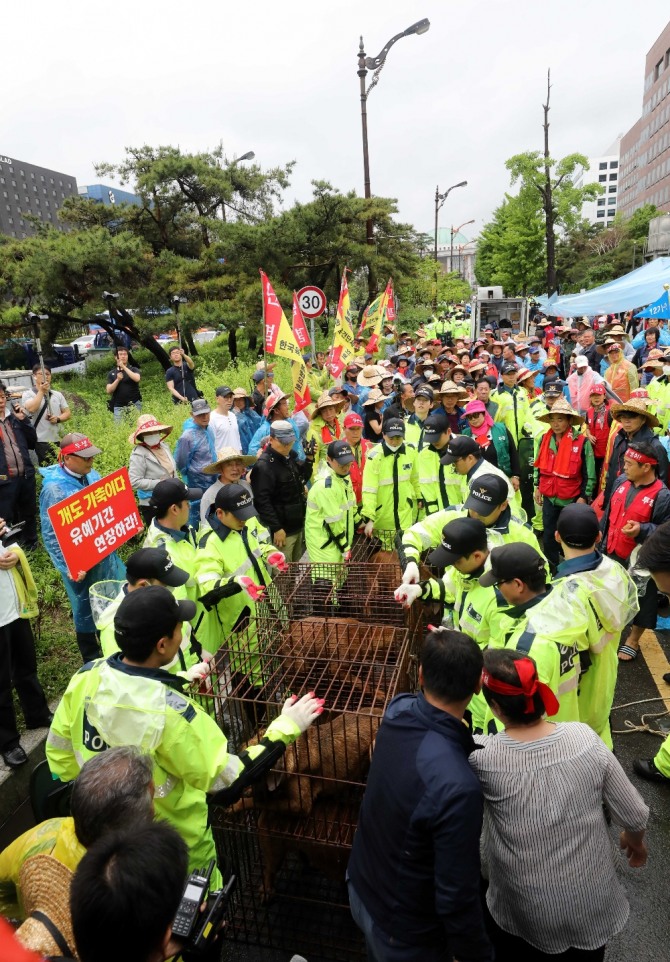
(522, 479)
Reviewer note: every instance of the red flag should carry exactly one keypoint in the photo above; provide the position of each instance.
(299, 326)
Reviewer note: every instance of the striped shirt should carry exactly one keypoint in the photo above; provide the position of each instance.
(551, 860)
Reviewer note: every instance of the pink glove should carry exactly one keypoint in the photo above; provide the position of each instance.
(255, 592)
(278, 560)
(346, 556)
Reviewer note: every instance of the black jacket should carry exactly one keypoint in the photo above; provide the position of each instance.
(26, 438)
(415, 858)
(278, 484)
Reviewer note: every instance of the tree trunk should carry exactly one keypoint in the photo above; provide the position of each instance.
(548, 201)
(253, 341)
(232, 344)
(190, 343)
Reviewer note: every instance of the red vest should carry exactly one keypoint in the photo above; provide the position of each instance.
(356, 470)
(640, 509)
(599, 425)
(568, 484)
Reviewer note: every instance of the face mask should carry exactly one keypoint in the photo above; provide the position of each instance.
(151, 440)
(395, 444)
(666, 368)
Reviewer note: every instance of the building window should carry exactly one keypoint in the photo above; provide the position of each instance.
(602, 177)
(11, 170)
(13, 183)
(601, 213)
(42, 178)
(10, 220)
(611, 189)
(32, 177)
(614, 163)
(658, 69)
(22, 174)
(611, 213)
(602, 166)
(613, 176)
(601, 202)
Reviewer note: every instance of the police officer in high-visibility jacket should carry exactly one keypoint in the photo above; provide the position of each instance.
(512, 401)
(171, 531)
(129, 699)
(439, 483)
(538, 624)
(466, 456)
(606, 596)
(468, 607)
(488, 502)
(231, 567)
(331, 509)
(391, 492)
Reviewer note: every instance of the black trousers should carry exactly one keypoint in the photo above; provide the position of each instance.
(18, 669)
(550, 515)
(47, 452)
(18, 503)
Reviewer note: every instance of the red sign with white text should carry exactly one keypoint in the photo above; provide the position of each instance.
(94, 522)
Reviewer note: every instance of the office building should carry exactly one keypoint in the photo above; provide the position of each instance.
(604, 171)
(645, 149)
(109, 196)
(28, 189)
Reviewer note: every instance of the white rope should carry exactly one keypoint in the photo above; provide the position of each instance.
(643, 726)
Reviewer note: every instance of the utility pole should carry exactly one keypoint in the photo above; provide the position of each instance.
(548, 200)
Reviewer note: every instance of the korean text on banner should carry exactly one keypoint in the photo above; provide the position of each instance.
(343, 339)
(279, 339)
(379, 317)
(300, 331)
(301, 391)
(94, 522)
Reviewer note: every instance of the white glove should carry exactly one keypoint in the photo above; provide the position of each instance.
(198, 672)
(407, 594)
(303, 711)
(410, 575)
(368, 529)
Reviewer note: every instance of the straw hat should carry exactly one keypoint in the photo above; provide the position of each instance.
(524, 373)
(635, 406)
(617, 331)
(373, 397)
(271, 401)
(240, 392)
(562, 406)
(266, 365)
(369, 376)
(45, 887)
(147, 424)
(325, 401)
(450, 388)
(224, 456)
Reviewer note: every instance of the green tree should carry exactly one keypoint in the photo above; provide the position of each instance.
(510, 251)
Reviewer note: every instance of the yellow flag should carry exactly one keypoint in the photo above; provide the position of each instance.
(343, 340)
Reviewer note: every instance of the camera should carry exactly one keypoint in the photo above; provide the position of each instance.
(195, 927)
(10, 532)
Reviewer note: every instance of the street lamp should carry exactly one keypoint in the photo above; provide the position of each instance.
(453, 233)
(376, 64)
(439, 202)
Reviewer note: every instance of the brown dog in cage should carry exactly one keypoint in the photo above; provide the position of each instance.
(328, 759)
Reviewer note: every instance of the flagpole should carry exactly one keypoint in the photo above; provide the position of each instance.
(265, 354)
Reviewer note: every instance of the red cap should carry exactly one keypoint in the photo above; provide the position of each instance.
(353, 420)
(598, 389)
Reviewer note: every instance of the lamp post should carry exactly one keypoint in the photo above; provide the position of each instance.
(248, 156)
(439, 201)
(376, 64)
(453, 234)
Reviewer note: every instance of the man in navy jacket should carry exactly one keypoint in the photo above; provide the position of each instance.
(414, 871)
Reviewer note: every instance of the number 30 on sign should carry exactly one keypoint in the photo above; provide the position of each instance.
(312, 301)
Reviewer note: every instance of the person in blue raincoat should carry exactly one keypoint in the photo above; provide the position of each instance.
(73, 472)
(248, 420)
(196, 450)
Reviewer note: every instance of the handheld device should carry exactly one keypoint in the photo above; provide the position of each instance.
(213, 916)
(9, 532)
(194, 895)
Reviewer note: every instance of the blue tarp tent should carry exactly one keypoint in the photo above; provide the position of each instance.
(659, 309)
(640, 287)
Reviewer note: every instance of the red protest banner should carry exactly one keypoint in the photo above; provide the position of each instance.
(94, 522)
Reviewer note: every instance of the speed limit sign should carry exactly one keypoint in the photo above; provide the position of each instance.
(312, 301)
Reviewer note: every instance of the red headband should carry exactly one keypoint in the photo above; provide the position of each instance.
(529, 686)
(639, 456)
(76, 446)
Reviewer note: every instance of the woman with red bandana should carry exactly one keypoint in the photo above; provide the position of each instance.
(497, 444)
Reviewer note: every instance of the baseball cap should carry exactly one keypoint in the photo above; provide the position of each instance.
(534, 349)
(613, 347)
(236, 499)
(200, 406)
(394, 428)
(434, 426)
(260, 375)
(581, 360)
(459, 539)
(353, 420)
(425, 392)
(460, 447)
(578, 526)
(508, 369)
(598, 389)
(341, 452)
(307, 357)
(153, 611)
(487, 492)
(271, 401)
(510, 561)
(223, 391)
(172, 491)
(283, 431)
(78, 444)
(553, 388)
(156, 563)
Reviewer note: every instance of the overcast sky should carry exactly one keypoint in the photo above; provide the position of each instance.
(82, 81)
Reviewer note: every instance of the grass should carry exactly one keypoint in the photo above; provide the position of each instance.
(57, 652)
